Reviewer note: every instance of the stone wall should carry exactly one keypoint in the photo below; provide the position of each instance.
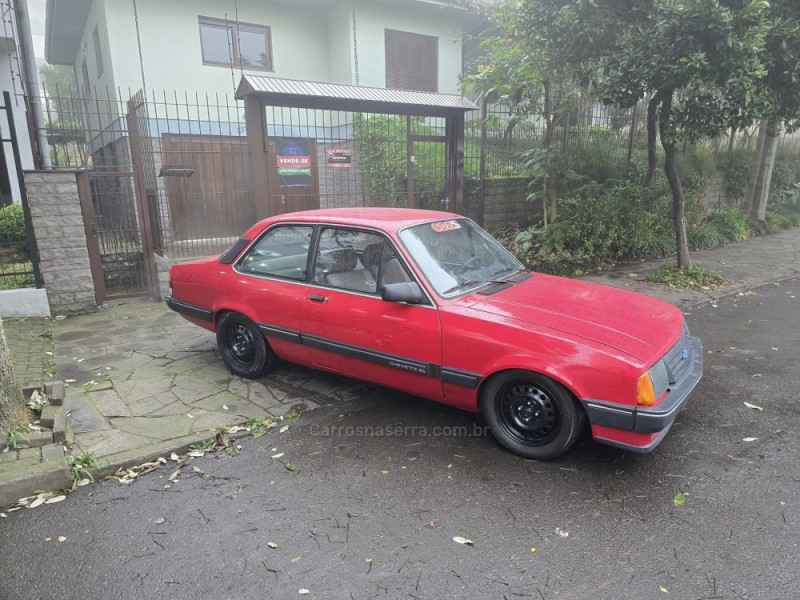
(505, 202)
(61, 239)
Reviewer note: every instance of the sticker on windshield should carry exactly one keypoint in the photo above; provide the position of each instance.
(441, 226)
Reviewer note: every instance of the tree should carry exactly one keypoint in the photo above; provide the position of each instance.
(12, 403)
(531, 76)
(781, 84)
(698, 60)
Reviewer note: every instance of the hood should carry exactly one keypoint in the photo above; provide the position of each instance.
(638, 325)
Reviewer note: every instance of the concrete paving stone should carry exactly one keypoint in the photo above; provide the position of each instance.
(48, 415)
(215, 402)
(210, 421)
(162, 428)
(263, 397)
(98, 385)
(54, 390)
(148, 406)
(29, 453)
(8, 457)
(60, 426)
(24, 480)
(108, 403)
(82, 416)
(196, 391)
(53, 452)
(135, 389)
(39, 438)
(176, 408)
(117, 441)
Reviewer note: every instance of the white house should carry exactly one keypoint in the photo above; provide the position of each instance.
(206, 45)
(12, 80)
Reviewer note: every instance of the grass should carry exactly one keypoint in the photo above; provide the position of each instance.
(16, 275)
(15, 435)
(696, 277)
(80, 464)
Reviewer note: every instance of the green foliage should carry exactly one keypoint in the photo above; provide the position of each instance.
(695, 167)
(784, 191)
(381, 150)
(15, 435)
(694, 277)
(79, 465)
(12, 224)
(736, 170)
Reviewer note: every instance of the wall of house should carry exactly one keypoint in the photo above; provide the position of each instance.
(504, 203)
(373, 18)
(103, 85)
(172, 54)
(340, 45)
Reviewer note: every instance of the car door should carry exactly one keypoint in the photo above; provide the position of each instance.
(349, 329)
(270, 286)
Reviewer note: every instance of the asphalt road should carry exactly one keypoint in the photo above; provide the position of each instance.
(372, 515)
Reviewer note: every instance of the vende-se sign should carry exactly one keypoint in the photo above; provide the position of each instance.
(294, 161)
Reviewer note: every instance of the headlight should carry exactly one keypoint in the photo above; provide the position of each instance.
(652, 385)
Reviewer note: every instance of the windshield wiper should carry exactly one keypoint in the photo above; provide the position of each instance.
(474, 282)
(506, 270)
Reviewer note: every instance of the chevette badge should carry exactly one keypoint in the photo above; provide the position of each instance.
(685, 354)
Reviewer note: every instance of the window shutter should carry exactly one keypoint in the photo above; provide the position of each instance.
(412, 61)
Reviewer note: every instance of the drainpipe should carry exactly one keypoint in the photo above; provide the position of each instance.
(31, 80)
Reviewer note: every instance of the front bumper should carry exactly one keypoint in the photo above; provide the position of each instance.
(641, 428)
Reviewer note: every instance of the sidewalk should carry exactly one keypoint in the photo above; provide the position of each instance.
(143, 382)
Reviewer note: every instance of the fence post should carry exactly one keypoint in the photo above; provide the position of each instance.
(633, 132)
(482, 162)
(33, 249)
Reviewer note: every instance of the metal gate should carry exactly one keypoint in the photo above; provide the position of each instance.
(118, 261)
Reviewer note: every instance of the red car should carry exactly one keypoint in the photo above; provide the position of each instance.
(428, 303)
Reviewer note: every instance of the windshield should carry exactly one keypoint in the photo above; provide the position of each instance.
(456, 255)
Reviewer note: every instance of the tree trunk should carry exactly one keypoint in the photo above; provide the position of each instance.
(758, 212)
(12, 403)
(755, 170)
(681, 243)
(652, 116)
(550, 178)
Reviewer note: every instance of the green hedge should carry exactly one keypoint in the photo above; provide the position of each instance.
(12, 225)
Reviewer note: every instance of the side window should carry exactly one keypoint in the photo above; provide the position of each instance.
(282, 252)
(392, 270)
(348, 259)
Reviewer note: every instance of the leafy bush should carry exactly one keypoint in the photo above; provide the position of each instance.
(12, 224)
(736, 170)
(695, 167)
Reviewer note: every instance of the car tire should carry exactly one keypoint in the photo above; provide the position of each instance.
(531, 415)
(243, 347)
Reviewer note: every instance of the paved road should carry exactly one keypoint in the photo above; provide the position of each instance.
(374, 516)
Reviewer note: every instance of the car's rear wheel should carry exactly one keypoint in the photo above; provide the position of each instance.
(531, 414)
(243, 347)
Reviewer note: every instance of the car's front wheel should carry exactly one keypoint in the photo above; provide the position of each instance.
(243, 347)
(531, 414)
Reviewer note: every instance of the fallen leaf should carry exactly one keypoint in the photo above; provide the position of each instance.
(533, 549)
(290, 467)
(224, 407)
(160, 521)
(464, 541)
(562, 533)
(272, 544)
(303, 591)
(749, 439)
(48, 539)
(61, 538)
(55, 499)
(283, 429)
(189, 415)
(132, 474)
(162, 460)
(663, 589)
(3, 516)
(757, 375)
(385, 472)
(753, 406)
(278, 455)
(196, 453)
(680, 498)
(174, 475)
(775, 349)
(174, 457)
(37, 502)
(296, 558)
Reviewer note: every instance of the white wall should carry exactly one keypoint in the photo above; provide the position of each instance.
(373, 18)
(171, 49)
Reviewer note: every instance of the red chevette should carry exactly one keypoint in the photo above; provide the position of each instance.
(428, 303)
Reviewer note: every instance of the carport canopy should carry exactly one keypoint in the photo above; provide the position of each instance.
(258, 92)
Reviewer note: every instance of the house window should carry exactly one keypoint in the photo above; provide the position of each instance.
(227, 43)
(87, 88)
(412, 61)
(98, 51)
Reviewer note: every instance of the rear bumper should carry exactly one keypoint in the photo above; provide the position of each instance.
(189, 310)
(641, 428)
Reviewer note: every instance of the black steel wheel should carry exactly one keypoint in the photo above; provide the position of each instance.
(243, 347)
(531, 414)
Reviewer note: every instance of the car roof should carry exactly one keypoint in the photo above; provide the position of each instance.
(387, 219)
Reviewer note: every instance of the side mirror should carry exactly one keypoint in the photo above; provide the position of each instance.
(407, 291)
